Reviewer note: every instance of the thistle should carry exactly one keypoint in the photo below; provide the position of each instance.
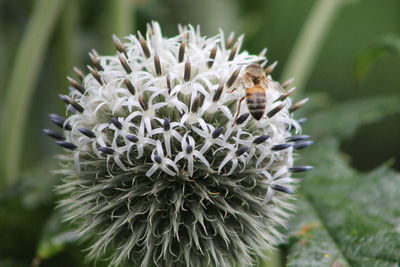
(160, 166)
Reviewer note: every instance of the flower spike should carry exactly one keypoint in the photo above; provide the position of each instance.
(164, 164)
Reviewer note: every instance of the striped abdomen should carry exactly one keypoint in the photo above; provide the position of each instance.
(256, 99)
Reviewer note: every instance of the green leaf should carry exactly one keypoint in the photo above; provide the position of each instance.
(55, 237)
(346, 216)
(386, 45)
(34, 186)
(19, 223)
(312, 244)
(29, 58)
(39, 182)
(11, 263)
(340, 121)
(273, 259)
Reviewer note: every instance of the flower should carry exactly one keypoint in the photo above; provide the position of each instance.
(162, 166)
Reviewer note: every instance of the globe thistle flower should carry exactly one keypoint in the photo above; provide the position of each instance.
(164, 165)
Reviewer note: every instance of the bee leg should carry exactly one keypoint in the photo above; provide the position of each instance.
(233, 90)
(237, 110)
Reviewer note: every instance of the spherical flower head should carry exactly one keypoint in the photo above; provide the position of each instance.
(167, 162)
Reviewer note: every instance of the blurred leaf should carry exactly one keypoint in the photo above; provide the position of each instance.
(39, 182)
(273, 259)
(55, 237)
(34, 186)
(386, 45)
(29, 58)
(13, 192)
(24, 208)
(341, 120)
(19, 225)
(346, 218)
(360, 213)
(11, 263)
(312, 244)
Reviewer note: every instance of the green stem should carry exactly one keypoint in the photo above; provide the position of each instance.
(67, 52)
(120, 19)
(309, 43)
(274, 259)
(22, 82)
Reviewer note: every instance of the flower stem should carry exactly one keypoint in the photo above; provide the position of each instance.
(309, 43)
(274, 259)
(65, 42)
(122, 19)
(22, 82)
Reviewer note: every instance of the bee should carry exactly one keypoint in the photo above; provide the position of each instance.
(255, 82)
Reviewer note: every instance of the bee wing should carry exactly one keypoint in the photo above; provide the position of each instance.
(246, 81)
(280, 89)
(268, 84)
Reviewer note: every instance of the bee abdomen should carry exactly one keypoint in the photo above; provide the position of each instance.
(256, 101)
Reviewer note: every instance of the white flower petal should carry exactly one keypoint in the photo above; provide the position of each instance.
(282, 181)
(202, 159)
(200, 132)
(160, 151)
(226, 112)
(225, 161)
(167, 142)
(152, 170)
(176, 135)
(171, 163)
(202, 123)
(133, 115)
(181, 107)
(267, 175)
(190, 164)
(168, 171)
(179, 157)
(280, 172)
(234, 165)
(184, 118)
(147, 123)
(205, 147)
(140, 151)
(268, 195)
(77, 162)
(119, 163)
(156, 131)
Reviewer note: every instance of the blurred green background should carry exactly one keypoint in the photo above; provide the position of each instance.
(73, 27)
